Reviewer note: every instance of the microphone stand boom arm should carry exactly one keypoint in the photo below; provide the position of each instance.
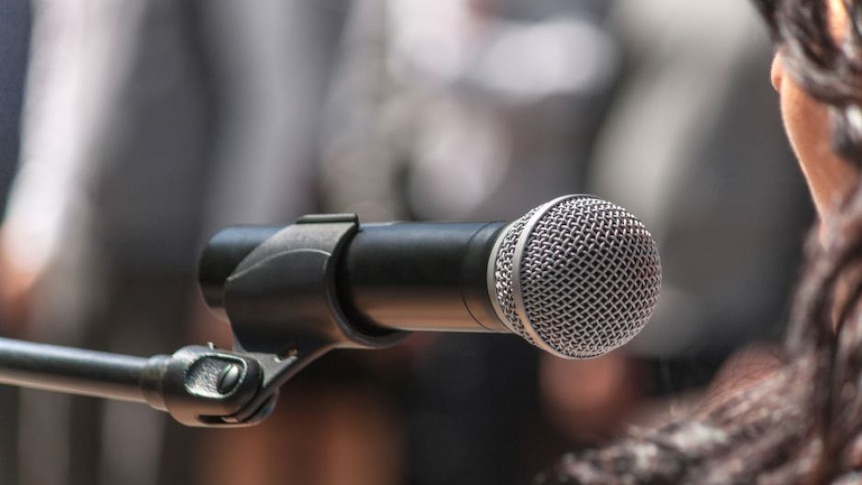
(199, 386)
(277, 288)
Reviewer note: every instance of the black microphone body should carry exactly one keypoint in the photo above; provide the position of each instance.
(420, 276)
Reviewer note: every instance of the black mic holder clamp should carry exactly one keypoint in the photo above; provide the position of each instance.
(277, 289)
(283, 308)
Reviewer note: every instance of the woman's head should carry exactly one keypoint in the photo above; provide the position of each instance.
(818, 73)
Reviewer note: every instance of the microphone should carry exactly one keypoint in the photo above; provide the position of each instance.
(577, 277)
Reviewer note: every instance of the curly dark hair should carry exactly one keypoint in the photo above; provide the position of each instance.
(802, 424)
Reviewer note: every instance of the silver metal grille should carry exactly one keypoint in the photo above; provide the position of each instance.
(577, 276)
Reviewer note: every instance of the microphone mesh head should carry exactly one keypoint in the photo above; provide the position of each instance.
(577, 277)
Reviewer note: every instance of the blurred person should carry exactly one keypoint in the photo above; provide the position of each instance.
(147, 126)
(799, 423)
(490, 109)
(98, 239)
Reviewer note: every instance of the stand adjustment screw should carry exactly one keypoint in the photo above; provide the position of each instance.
(229, 379)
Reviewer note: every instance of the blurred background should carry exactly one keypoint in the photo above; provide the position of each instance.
(130, 130)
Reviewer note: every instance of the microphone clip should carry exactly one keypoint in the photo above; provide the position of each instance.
(282, 303)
